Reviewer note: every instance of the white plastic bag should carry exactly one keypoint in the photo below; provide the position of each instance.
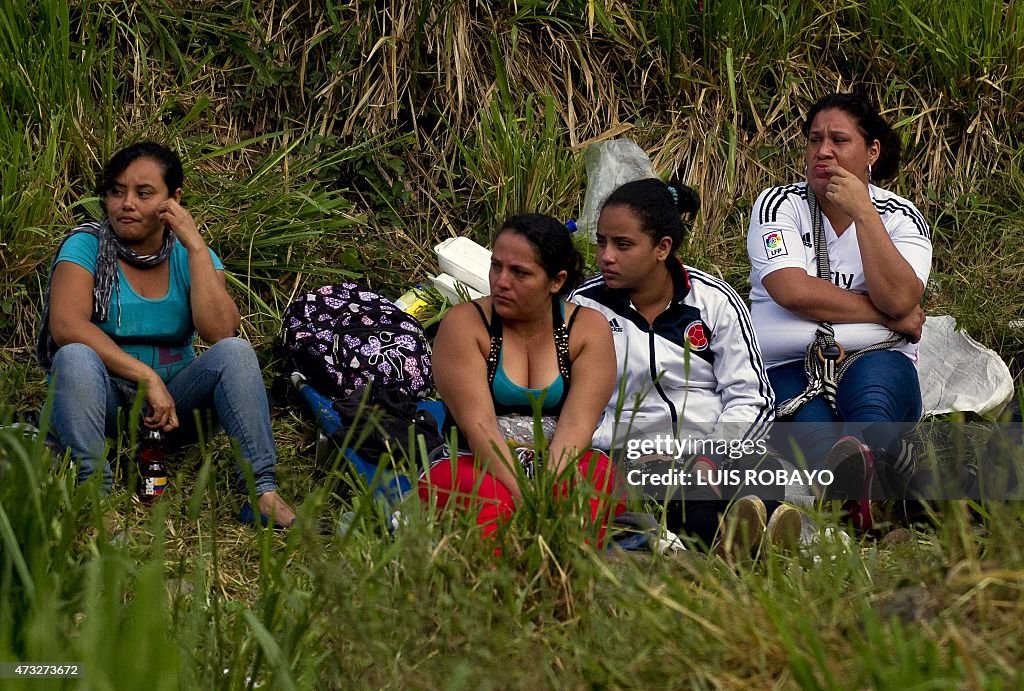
(610, 164)
(959, 374)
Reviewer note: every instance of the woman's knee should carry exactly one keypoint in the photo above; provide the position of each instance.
(234, 350)
(881, 386)
(74, 355)
(233, 359)
(77, 363)
(597, 468)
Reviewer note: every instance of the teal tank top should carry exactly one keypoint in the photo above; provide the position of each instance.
(508, 396)
(507, 393)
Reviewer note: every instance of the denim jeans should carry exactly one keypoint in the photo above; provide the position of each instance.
(879, 400)
(224, 382)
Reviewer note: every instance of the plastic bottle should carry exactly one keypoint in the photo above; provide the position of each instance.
(152, 468)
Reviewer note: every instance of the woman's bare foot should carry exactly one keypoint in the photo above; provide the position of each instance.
(274, 507)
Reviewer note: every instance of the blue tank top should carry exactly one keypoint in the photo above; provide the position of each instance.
(508, 396)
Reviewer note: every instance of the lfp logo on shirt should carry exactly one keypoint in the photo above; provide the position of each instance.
(774, 244)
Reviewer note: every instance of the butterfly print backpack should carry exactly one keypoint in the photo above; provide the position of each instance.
(345, 337)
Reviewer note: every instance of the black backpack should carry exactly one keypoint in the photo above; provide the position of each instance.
(346, 338)
(389, 420)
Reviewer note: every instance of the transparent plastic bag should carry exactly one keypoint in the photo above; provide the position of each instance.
(610, 164)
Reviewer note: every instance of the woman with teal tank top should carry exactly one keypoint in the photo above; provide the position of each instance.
(511, 398)
(126, 298)
(495, 356)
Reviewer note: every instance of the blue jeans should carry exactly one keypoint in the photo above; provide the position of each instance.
(879, 400)
(224, 384)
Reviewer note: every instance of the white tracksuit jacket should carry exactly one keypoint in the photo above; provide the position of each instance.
(697, 371)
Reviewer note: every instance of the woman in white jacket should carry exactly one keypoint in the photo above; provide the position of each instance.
(692, 384)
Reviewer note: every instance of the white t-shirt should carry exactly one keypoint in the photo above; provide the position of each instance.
(781, 236)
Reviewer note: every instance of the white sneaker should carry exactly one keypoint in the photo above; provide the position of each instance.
(784, 529)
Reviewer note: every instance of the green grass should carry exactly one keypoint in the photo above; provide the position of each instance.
(324, 140)
(181, 590)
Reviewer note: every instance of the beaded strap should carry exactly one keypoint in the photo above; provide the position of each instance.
(494, 328)
(562, 340)
(492, 358)
(562, 351)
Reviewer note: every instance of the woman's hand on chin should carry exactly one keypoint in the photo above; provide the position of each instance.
(848, 192)
(180, 221)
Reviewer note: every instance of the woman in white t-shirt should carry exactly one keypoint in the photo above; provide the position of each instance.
(810, 314)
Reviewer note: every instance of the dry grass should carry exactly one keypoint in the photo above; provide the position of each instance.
(416, 83)
(353, 136)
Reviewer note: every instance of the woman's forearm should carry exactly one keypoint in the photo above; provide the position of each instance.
(494, 455)
(567, 445)
(894, 288)
(118, 363)
(819, 300)
(214, 313)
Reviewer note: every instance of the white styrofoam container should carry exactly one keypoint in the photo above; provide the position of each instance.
(446, 285)
(467, 261)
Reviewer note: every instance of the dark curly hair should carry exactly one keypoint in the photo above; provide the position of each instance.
(871, 125)
(553, 244)
(166, 158)
(659, 206)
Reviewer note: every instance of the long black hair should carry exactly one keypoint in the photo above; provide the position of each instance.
(659, 206)
(553, 244)
(872, 125)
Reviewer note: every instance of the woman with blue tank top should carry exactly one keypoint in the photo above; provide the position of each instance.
(496, 356)
(127, 297)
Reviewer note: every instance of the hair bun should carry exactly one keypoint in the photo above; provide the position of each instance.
(686, 198)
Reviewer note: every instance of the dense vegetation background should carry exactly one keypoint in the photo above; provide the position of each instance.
(325, 139)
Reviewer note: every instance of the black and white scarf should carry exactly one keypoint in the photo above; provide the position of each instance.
(105, 283)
